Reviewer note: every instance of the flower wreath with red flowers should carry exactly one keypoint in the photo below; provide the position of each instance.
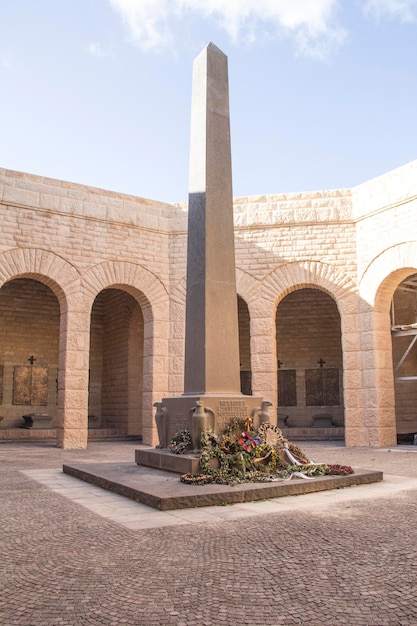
(247, 441)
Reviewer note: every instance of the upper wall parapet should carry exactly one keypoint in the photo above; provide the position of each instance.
(289, 208)
(56, 196)
(388, 191)
(392, 189)
(294, 208)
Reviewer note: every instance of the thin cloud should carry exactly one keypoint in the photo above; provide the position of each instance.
(147, 20)
(96, 50)
(404, 10)
(311, 24)
(6, 64)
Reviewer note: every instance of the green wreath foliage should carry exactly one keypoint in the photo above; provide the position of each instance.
(181, 442)
(235, 427)
(233, 460)
(207, 467)
(237, 455)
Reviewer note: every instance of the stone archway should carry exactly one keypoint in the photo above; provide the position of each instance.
(379, 282)
(290, 277)
(29, 351)
(116, 363)
(152, 298)
(404, 357)
(62, 279)
(309, 360)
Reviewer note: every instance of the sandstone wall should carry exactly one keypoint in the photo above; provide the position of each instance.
(78, 240)
(355, 246)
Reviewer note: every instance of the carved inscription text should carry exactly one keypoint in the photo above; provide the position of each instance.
(229, 410)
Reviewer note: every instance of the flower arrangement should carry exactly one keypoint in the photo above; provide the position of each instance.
(243, 454)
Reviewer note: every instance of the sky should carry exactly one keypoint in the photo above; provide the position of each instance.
(323, 93)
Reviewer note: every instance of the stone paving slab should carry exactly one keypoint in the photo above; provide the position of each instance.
(136, 516)
(164, 490)
(73, 554)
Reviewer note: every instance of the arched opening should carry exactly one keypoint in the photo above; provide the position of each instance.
(244, 347)
(116, 363)
(404, 357)
(309, 361)
(29, 347)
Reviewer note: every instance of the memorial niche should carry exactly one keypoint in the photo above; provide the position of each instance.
(308, 335)
(29, 337)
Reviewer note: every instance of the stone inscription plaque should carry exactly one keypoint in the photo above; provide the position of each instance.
(229, 410)
(287, 388)
(322, 387)
(178, 423)
(331, 393)
(30, 385)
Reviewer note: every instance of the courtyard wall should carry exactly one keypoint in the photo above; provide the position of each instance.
(355, 245)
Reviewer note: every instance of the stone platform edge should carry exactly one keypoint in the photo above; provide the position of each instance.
(49, 435)
(164, 491)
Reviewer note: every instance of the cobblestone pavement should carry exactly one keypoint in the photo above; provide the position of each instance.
(346, 557)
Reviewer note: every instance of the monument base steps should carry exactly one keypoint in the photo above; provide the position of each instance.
(164, 491)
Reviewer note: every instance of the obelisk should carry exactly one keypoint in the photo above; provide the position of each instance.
(212, 334)
(212, 397)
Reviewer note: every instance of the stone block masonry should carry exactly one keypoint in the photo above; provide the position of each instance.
(63, 245)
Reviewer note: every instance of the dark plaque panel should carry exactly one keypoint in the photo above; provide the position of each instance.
(322, 387)
(246, 383)
(39, 395)
(21, 384)
(331, 395)
(314, 387)
(1, 383)
(287, 388)
(30, 385)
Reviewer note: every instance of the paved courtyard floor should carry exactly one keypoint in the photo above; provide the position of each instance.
(73, 554)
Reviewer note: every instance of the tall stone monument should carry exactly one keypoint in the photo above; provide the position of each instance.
(212, 396)
(212, 334)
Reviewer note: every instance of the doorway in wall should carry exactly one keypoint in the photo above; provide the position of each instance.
(309, 360)
(29, 345)
(116, 363)
(404, 357)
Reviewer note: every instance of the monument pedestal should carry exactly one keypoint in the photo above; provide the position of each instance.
(225, 408)
(167, 461)
(220, 410)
